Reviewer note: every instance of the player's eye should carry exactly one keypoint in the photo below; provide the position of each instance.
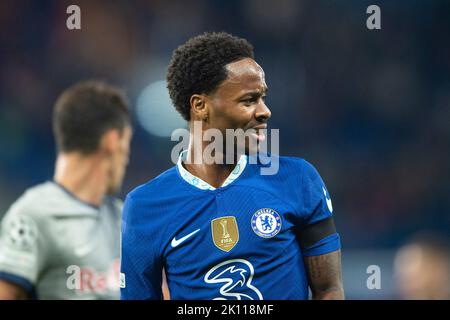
(248, 101)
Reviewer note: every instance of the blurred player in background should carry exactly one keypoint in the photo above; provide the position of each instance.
(60, 239)
(221, 230)
(422, 268)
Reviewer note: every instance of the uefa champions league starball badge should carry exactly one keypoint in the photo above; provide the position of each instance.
(266, 223)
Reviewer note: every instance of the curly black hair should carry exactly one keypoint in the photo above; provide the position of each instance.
(198, 66)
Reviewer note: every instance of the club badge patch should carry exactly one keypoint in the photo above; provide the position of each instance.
(266, 223)
(225, 233)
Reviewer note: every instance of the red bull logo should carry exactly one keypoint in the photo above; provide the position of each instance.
(89, 280)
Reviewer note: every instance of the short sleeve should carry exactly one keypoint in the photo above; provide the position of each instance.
(316, 202)
(317, 207)
(22, 249)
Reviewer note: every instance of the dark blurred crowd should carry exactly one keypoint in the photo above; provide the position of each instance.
(370, 109)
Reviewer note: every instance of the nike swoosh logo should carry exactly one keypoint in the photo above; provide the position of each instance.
(329, 204)
(176, 243)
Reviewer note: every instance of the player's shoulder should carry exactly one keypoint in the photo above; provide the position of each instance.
(37, 191)
(33, 203)
(162, 182)
(287, 165)
(296, 163)
(46, 200)
(152, 200)
(33, 198)
(286, 173)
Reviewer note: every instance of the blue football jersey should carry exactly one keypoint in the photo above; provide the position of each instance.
(237, 241)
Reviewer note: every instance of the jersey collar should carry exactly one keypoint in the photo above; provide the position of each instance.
(199, 183)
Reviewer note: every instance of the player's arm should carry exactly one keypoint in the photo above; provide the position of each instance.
(22, 254)
(325, 276)
(322, 258)
(11, 291)
(319, 239)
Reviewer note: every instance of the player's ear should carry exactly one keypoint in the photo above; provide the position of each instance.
(199, 111)
(110, 141)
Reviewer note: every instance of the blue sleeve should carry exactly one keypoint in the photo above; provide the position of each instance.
(326, 245)
(316, 199)
(316, 206)
(141, 264)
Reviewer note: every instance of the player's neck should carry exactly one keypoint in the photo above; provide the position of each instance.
(214, 174)
(83, 176)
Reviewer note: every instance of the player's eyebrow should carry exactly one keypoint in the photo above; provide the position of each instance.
(255, 94)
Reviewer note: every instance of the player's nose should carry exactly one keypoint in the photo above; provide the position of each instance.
(263, 112)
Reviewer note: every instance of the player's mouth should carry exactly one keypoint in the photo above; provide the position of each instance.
(259, 134)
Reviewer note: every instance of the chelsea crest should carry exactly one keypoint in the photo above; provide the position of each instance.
(266, 223)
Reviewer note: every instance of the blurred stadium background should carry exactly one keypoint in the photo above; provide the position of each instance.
(371, 109)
